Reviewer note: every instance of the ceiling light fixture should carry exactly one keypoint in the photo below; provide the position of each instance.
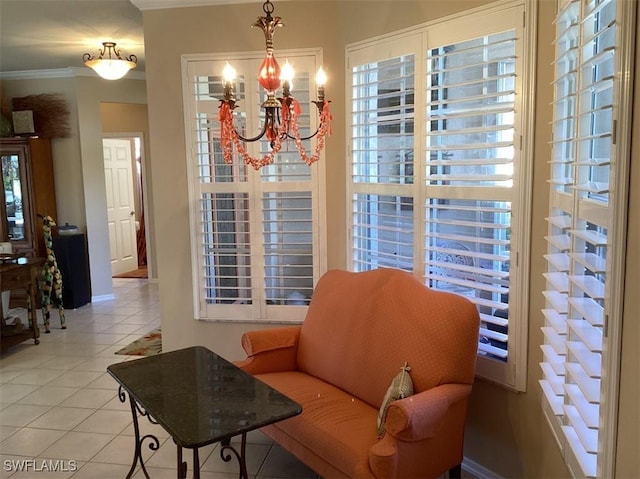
(280, 114)
(109, 64)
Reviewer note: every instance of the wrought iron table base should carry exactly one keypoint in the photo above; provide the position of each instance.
(182, 465)
(153, 445)
(201, 399)
(225, 446)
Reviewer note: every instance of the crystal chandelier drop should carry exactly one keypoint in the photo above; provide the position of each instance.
(280, 114)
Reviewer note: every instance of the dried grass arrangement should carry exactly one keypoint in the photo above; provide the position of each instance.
(50, 114)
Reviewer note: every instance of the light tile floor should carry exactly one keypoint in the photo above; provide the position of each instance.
(59, 412)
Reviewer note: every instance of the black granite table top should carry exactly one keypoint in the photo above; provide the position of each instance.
(199, 397)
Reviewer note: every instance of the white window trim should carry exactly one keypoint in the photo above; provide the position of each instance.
(512, 374)
(620, 177)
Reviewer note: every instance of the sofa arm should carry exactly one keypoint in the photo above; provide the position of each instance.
(270, 350)
(419, 416)
(424, 434)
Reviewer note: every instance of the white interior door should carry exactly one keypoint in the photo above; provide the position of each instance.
(121, 215)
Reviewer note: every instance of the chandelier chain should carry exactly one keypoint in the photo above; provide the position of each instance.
(281, 114)
(268, 8)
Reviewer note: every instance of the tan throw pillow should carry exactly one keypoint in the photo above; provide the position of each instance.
(401, 387)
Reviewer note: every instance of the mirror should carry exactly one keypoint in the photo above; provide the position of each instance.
(12, 185)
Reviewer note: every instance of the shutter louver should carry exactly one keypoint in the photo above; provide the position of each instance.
(382, 232)
(226, 255)
(471, 112)
(382, 121)
(207, 93)
(288, 247)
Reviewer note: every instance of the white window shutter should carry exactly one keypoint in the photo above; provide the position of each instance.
(437, 175)
(580, 241)
(382, 164)
(256, 235)
(471, 104)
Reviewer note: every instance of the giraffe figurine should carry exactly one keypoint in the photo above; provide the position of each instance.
(50, 283)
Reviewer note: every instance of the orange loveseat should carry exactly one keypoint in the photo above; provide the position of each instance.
(359, 331)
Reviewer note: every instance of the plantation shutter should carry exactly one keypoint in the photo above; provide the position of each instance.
(288, 247)
(223, 207)
(470, 177)
(579, 240)
(256, 235)
(439, 183)
(383, 186)
(560, 220)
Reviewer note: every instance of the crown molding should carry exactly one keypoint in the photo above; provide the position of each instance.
(159, 4)
(69, 72)
(38, 74)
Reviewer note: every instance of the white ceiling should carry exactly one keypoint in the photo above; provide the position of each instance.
(54, 34)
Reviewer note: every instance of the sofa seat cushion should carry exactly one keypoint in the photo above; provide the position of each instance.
(334, 425)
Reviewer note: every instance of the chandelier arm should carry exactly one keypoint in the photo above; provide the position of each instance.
(109, 48)
(255, 138)
(303, 138)
(320, 105)
(271, 115)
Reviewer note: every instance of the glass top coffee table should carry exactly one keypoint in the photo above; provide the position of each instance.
(199, 398)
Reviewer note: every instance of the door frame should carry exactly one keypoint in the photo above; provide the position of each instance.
(132, 135)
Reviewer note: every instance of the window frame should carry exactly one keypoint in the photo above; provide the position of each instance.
(418, 40)
(255, 188)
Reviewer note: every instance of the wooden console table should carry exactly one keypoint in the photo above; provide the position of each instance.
(21, 274)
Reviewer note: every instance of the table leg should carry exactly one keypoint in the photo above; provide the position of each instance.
(241, 456)
(182, 465)
(196, 464)
(32, 316)
(154, 445)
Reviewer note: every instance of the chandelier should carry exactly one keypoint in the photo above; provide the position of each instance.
(109, 64)
(280, 114)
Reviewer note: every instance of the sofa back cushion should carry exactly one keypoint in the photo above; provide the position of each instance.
(361, 328)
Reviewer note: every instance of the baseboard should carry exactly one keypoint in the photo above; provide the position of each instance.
(102, 297)
(477, 470)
